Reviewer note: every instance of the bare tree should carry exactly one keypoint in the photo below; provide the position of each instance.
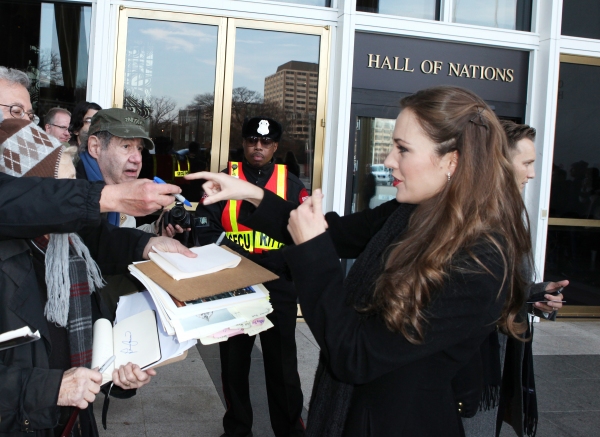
(162, 115)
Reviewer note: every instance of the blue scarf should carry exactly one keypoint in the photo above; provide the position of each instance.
(92, 170)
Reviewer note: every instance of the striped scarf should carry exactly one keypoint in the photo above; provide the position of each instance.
(80, 276)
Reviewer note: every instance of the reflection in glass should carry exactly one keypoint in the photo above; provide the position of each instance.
(505, 14)
(50, 41)
(572, 253)
(276, 75)
(371, 180)
(575, 187)
(426, 9)
(170, 80)
(581, 18)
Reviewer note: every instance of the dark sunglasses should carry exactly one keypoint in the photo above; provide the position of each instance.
(265, 141)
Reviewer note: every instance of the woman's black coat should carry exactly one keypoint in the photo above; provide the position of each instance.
(401, 389)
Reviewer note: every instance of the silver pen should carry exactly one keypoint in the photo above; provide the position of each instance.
(107, 363)
(220, 239)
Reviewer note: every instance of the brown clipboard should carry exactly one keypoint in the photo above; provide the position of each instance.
(245, 274)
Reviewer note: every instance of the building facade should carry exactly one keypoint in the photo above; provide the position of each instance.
(332, 72)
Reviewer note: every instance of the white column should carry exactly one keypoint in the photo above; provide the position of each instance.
(101, 68)
(335, 163)
(541, 114)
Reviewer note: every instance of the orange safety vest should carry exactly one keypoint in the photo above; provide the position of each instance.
(252, 241)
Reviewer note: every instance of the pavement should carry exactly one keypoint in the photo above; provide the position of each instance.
(185, 398)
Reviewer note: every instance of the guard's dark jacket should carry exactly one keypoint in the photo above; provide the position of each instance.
(31, 207)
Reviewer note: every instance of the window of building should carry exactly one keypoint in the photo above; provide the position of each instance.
(574, 223)
(427, 9)
(506, 14)
(581, 18)
(51, 42)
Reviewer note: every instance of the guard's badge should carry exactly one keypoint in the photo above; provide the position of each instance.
(263, 127)
(201, 222)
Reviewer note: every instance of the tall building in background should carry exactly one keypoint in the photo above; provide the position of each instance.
(294, 88)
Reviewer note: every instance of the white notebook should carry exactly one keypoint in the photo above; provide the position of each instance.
(211, 258)
(134, 339)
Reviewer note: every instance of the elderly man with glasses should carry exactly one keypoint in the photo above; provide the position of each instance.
(57, 124)
(261, 137)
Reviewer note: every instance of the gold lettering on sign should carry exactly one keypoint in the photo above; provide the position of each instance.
(386, 63)
(434, 67)
(375, 61)
(427, 64)
(501, 74)
(453, 69)
(492, 70)
(396, 64)
(465, 71)
(403, 68)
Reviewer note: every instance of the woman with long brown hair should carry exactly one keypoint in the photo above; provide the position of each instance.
(437, 270)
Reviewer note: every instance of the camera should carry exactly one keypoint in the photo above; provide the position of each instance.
(178, 215)
(191, 225)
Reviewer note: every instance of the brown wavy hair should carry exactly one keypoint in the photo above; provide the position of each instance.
(481, 203)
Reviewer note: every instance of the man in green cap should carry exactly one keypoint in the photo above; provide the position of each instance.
(112, 153)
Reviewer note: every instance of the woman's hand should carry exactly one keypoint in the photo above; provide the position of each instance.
(167, 244)
(220, 186)
(79, 387)
(307, 221)
(132, 376)
(556, 303)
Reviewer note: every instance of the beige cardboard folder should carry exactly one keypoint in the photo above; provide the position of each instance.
(245, 274)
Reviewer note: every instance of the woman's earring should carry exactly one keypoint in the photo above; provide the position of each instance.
(448, 176)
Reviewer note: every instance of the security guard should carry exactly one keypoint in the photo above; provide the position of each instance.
(261, 136)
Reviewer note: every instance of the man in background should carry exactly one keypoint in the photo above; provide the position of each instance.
(57, 124)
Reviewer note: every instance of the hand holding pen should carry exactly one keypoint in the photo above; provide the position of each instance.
(179, 197)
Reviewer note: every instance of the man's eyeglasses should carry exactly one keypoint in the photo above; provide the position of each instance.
(265, 141)
(17, 111)
(60, 127)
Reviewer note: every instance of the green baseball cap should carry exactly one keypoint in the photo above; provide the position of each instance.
(121, 123)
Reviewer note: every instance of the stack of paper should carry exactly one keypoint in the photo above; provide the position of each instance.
(211, 258)
(210, 306)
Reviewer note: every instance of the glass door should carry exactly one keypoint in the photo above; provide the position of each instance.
(170, 68)
(573, 240)
(371, 180)
(278, 71)
(195, 78)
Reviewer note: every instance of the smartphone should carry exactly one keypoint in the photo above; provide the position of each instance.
(541, 297)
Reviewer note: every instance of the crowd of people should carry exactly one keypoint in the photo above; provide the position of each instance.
(428, 333)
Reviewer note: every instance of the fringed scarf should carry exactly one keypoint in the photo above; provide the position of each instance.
(92, 171)
(71, 276)
(331, 398)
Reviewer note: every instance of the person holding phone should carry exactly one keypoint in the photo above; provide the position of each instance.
(502, 400)
(437, 269)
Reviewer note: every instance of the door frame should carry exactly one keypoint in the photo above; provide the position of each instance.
(224, 74)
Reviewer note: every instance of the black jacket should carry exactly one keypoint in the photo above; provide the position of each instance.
(401, 389)
(271, 260)
(31, 207)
